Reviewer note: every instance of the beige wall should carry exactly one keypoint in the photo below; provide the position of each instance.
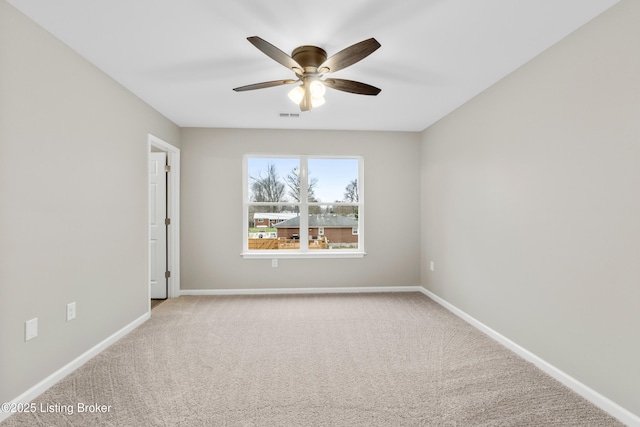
(73, 202)
(212, 221)
(531, 206)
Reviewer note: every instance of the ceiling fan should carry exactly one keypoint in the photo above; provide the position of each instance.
(310, 64)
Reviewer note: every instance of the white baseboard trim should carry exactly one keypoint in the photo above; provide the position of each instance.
(285, 291)
(583, 390)
(43, 385)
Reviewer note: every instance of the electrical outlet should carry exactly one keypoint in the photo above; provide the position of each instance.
(432, 266)
(274, 262)
(71, 311)
(30, 329)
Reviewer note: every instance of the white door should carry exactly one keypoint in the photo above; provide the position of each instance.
(158, 229)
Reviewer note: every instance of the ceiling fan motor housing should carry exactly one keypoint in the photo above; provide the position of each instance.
(309, 57)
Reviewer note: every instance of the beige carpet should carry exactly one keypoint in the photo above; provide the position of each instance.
(310, 360)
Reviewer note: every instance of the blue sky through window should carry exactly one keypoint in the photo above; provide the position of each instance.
(333, 175)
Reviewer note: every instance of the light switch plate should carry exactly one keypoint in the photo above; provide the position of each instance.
(30, 329)
(71, 311)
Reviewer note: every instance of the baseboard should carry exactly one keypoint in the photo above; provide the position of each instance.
(588, 393)
(284, 291)
(43, 385)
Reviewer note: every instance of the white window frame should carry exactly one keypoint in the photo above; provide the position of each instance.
(304, 251)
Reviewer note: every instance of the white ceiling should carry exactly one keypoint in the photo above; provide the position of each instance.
(184, 57)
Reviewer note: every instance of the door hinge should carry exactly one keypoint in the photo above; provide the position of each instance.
(167, 168)
(167, 274)
(167, 221)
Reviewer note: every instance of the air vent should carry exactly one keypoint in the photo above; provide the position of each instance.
(291, 115)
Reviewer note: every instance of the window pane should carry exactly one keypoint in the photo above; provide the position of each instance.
(263, 217)
(329, 230)
(333, 180)
(288, 236)
(273, 227)
(272, 179)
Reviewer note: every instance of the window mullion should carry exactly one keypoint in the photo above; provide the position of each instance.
(304, 205)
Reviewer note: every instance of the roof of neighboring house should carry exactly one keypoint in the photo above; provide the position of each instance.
(319, 220)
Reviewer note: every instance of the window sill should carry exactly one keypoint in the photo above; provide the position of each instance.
(286, 254)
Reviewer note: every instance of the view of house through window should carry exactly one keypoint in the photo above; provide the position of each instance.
(303, 204)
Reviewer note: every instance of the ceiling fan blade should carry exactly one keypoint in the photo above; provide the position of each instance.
(349, 56)
(352, 87)
(264, 85)
(276, 54)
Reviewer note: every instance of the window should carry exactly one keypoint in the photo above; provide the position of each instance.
(302, 206)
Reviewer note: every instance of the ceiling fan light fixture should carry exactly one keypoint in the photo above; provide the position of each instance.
(296, 94)
(317, 89)
(317, 102)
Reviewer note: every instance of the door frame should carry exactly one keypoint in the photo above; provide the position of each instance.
(173, 212)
